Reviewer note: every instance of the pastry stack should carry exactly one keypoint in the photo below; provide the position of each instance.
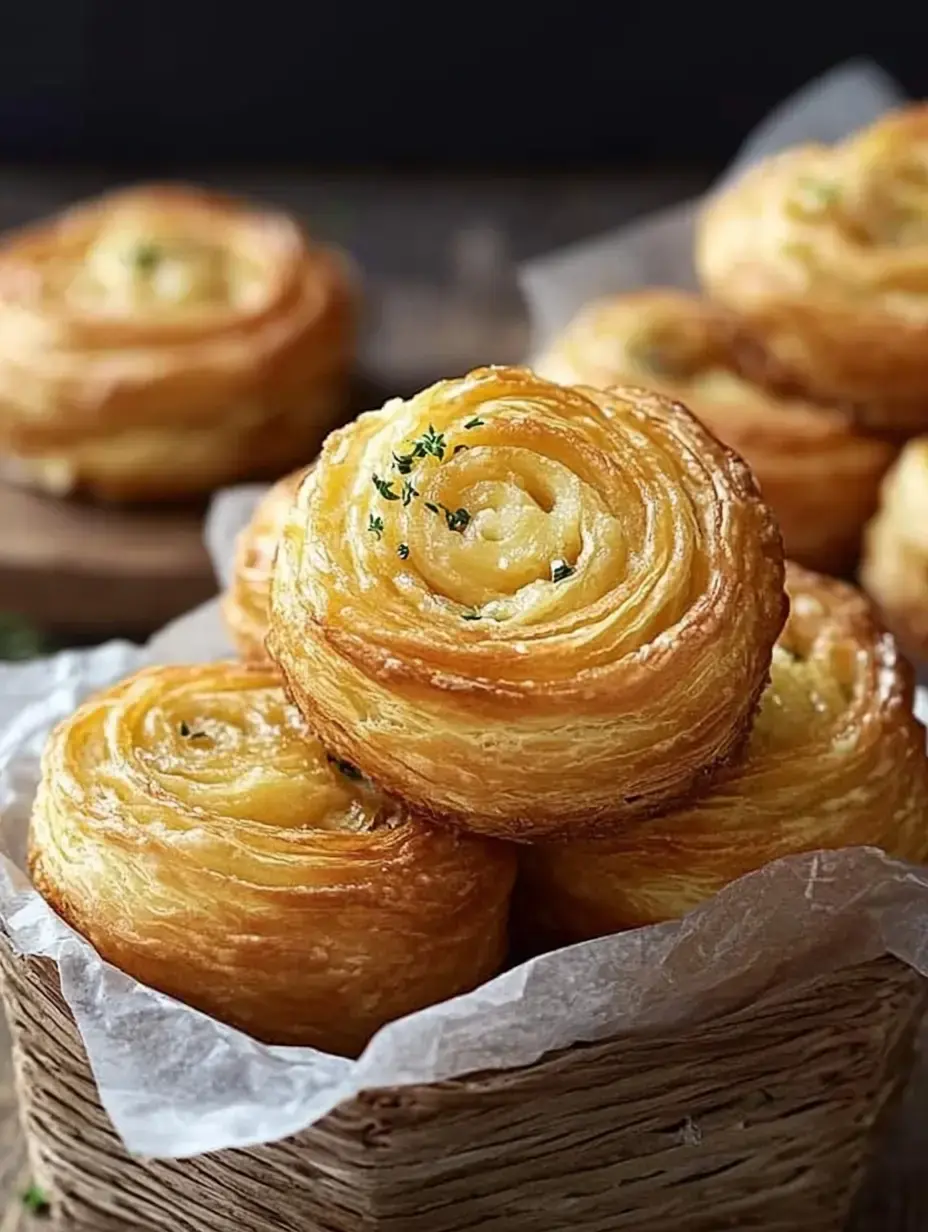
(521, 662)
(809, 351)
(162, 341)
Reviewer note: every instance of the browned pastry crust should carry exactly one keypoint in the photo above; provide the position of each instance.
(894, 569)
(190, 827)
(245, 603)
(836, 759)
(526, 609)
(822, 255)
(159, 342)
(819, 473)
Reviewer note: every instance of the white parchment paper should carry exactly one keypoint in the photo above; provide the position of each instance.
(177, 1083)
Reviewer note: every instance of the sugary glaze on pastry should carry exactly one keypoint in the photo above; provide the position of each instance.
(818, 472)
(245, 603)
(528, 609)
(191, 828)
(822, 254)
(159, 341)
(894, 568)
(836, 759)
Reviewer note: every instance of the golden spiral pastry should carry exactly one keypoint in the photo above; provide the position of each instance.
(894, 569)
(159, 342)
(245, 603)
(836, 759)
(819, 474)
(822, 254)
(527, 609)
(191, 828)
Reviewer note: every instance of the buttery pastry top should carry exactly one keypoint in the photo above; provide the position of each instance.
(822, 254)
(818, 472)
(160, 340)
(193, 830)
(894, 568)
(245, 603)
(836, 759)
(529, 609)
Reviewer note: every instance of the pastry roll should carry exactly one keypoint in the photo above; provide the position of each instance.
(191, 828)
(821, 253)
(836, 759)
(162, 341)
(894, 569)
(526, 609)
(245, 603)
(819, 473)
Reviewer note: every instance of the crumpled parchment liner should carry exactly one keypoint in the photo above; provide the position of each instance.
(177, 1083)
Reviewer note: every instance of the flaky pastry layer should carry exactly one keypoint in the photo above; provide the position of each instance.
(245, 603)
(894, 568)
(822, 254)
(191, 828)
(836, 759)
(819, 473)
(160, 341)
(527, 609)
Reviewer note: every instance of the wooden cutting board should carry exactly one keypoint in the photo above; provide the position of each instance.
(82, 572)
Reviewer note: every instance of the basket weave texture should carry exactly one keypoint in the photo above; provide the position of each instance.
(763, 1119)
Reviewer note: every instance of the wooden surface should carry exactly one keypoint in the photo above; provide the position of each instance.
(438, 258)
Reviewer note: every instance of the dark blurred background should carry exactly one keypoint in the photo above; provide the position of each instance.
(129, 82)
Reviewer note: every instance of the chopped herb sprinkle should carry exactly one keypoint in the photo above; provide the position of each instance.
(345, 768)
(403, 462)
(471, 615)
(430, 442)
(457, 520)
(145, 257)
(187, 731)
(431, 508)
(474, 423)
(375, 526)
(385, 488)
(403, 551)
(409, 491)
(560, 570)
(35, 1201)
(460, 448)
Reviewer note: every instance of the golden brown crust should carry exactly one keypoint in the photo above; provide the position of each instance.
(894, 568)
(822, 254)
(565, 624)
(836, 759)
(820, 474)
(161, 341)
(245, 603)
(190, 827)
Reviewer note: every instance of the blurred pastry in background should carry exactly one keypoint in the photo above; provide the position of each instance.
(245, 603)
(894, 568)
(819, 473)
(836, 759)
(163, 341)
(821, 254)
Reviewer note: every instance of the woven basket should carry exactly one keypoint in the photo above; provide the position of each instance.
(763, 1119)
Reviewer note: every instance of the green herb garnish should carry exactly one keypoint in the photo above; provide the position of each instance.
(184, 729)
(560, 570)
(403, 551)
(457, 519)
(472, 615)
(408, 492)
(384, 487)
(403, 462)
(187, 731)
(35, 1201)
(458, 448)
(476, 422)
(146, 258)
(345, 767)
(430, 442)
(375, 526)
